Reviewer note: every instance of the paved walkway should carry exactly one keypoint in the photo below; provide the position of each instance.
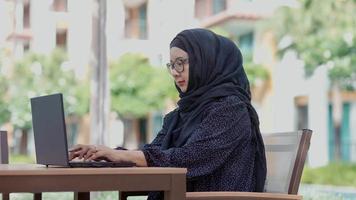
(327, 192)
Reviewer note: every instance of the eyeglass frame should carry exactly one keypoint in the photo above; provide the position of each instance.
(172, 66)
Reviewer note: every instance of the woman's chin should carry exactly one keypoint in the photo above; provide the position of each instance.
(183, 89)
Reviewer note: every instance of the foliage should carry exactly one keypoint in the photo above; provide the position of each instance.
(221, 31)
(37, 74)
(137, 87)
(24, 159)
(255, 73)
(341, 174)
(5, 113)
(323, 33)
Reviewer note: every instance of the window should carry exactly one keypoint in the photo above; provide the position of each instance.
(201, 9)
(59, 5)
(136, 22)
(340, 141)
(246, 44)
(26, 46)
(26, 16)
(206, 8)
(219, 6)
(143, 21)
(61, 38)
(302, 117)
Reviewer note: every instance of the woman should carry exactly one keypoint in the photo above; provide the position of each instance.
(214, 131)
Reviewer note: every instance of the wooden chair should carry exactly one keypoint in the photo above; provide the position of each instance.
(285, 154)
(4, 159)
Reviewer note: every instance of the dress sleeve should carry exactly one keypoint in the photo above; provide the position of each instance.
(226, 126)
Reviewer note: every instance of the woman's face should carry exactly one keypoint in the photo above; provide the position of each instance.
(179, 67)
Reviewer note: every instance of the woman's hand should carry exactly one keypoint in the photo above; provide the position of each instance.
(105, 153)
(79, 151)
(87, 152)
(100, 152)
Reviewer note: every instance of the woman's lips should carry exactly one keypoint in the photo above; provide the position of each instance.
(180, 83)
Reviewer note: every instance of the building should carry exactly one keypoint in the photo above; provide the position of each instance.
(287, 101)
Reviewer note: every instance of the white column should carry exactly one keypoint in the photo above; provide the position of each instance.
(115, 28)
(100, 97)
(318, 117)
(353, 131)
(288, 78)
(18, 46)
(3, 19)
(43, 27)
(79, 35)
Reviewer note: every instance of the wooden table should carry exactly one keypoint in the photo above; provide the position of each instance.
(38, 178)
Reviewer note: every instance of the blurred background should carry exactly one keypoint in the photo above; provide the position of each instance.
(108, 59)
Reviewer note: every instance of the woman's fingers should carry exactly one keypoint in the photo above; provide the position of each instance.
(75, 151)
(92, 150)
(75, 148)
(72, 155)
(96, 155)
(101, 154)
(85, 150)
(79, 151)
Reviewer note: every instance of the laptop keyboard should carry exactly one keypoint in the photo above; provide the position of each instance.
(101, 164)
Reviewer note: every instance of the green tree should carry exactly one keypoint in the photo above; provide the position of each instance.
(5, 113)
(323, 33)
(37, 74)
(255, 73)
(137, 87)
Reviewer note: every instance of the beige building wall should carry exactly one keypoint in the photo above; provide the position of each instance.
(165, 18)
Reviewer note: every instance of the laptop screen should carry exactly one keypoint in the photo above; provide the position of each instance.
(49, 130)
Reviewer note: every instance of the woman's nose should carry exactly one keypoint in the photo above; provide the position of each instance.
(174, 72)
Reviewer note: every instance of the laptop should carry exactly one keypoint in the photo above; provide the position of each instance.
(51, 136)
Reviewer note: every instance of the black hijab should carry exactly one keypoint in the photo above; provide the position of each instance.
(215, 71)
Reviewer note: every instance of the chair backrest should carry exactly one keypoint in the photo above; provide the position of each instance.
(285, 154)
(4, 149)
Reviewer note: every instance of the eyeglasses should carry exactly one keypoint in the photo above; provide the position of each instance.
(178, 64)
